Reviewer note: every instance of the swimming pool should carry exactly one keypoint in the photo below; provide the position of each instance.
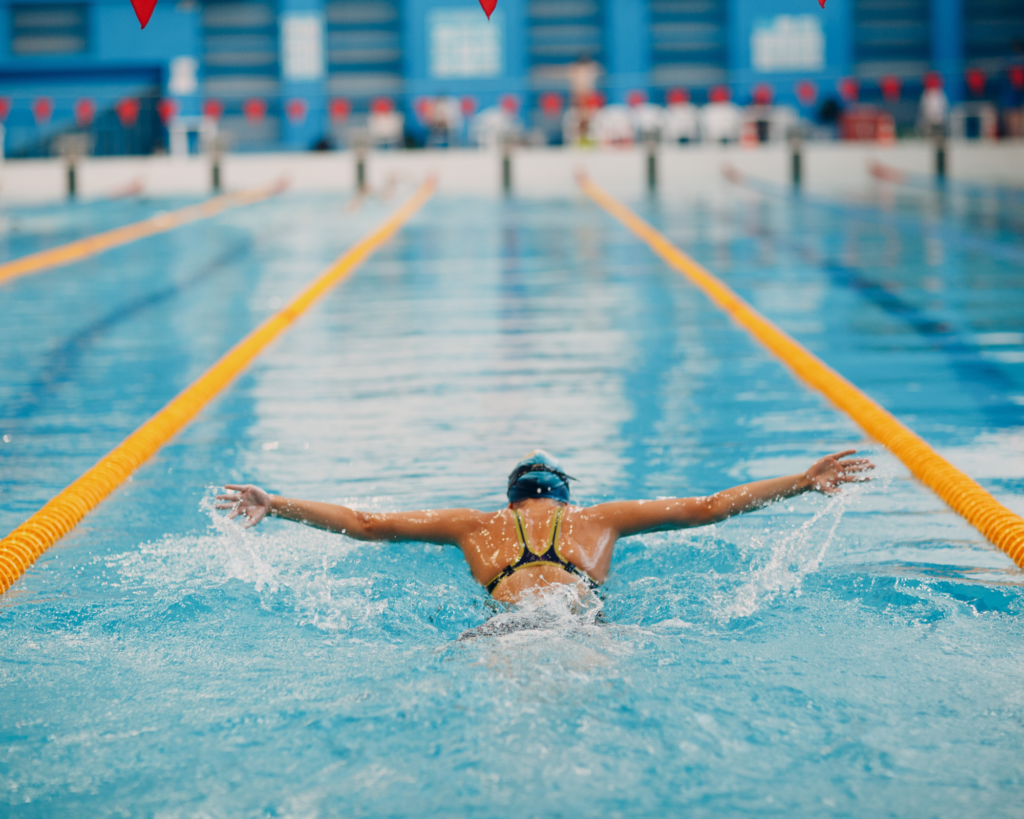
(852, 656)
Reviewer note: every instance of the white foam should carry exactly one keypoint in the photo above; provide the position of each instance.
(297, 562)
(790, 558)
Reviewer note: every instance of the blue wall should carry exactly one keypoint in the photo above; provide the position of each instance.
(837, 23)
(947, 35)
(121, 60)
(510, 15)
(627, 46)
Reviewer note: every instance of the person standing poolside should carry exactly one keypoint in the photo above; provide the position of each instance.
(540, 540)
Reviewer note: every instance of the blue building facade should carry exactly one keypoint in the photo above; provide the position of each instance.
(277, 73)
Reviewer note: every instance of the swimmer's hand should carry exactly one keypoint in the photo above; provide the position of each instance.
(828, 474)
(247, 500)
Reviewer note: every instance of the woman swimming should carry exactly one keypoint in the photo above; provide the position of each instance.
(540, 539)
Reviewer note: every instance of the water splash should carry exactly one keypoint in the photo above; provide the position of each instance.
(292, 568)
(790, 558)
(559, 609)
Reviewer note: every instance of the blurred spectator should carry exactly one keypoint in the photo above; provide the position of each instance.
(578, 122)
(386, 125)
(934, 107)
(613, 125)
(583, 76)
(573, 127)
(680, 122)
(444, 122)
(721, 118)
(495, 126)
(760, 111)
(829, 115)
(648, 118)
(548, 119)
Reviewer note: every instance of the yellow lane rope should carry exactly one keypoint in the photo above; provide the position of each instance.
(22, 547)
(97, 243)
(997, 523)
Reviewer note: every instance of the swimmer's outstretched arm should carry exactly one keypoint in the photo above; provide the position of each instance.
(445, 526)
(826, 476)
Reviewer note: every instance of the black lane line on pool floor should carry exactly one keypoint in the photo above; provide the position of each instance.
(963, 354)
(945, 232)
(60, 359)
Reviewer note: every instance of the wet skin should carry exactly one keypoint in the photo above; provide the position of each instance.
(488, 540)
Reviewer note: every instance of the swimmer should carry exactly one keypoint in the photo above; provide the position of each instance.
(541, 540)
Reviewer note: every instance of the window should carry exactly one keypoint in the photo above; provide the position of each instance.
(48, 30)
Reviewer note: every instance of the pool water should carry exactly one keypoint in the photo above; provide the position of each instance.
(849, 656)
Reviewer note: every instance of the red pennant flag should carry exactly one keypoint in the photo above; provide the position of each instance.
(1016, 73)
(976, 80)
(468, 105)
(340, 109)
(214, 109)
(551, 104)
(821, 3)
(5, 108)
(166, 109)
(677, 96)
(509, 104)
(42, 110)
(382, 105)
(255, 110)
(85, 111)
(424, 107)
(143, 10)
(763, 94)
(849, 89)
(806, 92)
(296, 111)
(128, 112)
(891, 87)
(488, 6)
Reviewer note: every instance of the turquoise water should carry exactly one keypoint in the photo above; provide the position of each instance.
(856, 656)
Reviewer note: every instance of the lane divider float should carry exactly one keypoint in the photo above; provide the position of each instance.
(22, 547)
(966, 496)
(160, 223)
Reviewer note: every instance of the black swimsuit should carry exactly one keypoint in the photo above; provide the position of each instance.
(528, 557)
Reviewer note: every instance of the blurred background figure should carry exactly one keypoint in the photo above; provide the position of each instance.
(498, 125)
(648, 118)
(759, 114)
(934, 108)
(680, 122)
(442, 117)
(613, 125)
(583, 75)
(721, 119)
(578, 124)
(386, 125)
(548, 123)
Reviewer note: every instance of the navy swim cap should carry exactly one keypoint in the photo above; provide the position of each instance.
(538, 475)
